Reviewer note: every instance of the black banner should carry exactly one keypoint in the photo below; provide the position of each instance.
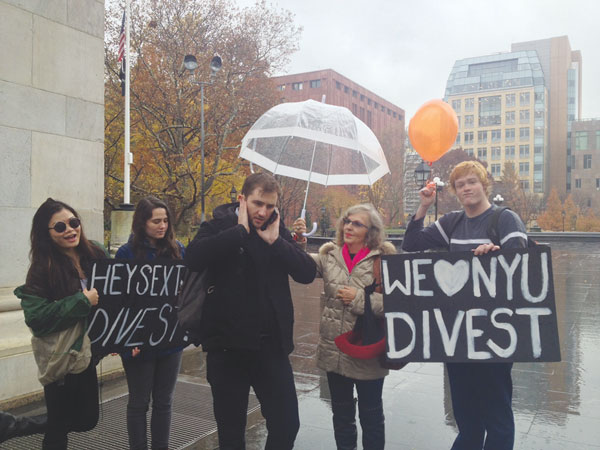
(137, 306)
(456, 307)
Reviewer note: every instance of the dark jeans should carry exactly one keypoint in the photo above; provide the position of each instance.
(156, 377)
(231, 373)
(482, 403)
(370, 408)
(72, 405)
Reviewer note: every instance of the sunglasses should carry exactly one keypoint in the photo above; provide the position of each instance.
(354, 223)
(60, 227)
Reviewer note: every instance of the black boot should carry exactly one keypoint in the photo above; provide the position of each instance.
(372, 422)
(11, 426)
(344, 424)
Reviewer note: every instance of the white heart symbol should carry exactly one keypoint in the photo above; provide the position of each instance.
(451, 278)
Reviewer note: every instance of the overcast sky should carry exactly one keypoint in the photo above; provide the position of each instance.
(403, 50)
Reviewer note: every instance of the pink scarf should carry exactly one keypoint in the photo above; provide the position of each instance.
(350, 263)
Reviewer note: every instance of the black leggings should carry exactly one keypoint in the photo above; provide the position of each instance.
(72, 405)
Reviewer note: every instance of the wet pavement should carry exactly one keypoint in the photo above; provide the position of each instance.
(556, 405)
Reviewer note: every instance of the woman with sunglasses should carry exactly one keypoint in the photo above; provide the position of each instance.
(56, 304)
(151, 372)
(346, 267)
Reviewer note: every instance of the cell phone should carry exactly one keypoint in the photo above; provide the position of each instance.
(269, 221)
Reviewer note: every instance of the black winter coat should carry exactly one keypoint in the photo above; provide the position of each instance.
(252, 293)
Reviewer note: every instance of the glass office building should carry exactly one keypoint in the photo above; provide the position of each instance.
(501, 104)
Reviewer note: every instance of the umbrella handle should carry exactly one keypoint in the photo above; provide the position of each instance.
(314, 228)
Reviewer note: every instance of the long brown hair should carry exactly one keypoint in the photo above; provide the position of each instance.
(52, 273)
(166, 247)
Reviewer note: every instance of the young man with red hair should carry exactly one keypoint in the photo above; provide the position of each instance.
(481, 392)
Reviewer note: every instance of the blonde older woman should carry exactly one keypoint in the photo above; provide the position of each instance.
(346, 267)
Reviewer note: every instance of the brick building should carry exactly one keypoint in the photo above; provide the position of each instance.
(375, 111)
(585, 162)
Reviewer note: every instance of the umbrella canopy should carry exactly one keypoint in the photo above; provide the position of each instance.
(317, 142)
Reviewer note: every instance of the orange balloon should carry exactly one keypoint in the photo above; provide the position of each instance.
(432, 130)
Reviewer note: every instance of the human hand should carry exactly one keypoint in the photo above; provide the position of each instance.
(485, 248)
(92, 296)
(427, 194)
(135, 351)
(271, 234)
(346, 294)
(299, 227)
(243, 214)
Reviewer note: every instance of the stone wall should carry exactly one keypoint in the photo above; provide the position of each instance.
(51, 118)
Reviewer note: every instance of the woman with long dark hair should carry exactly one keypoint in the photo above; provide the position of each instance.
(151, 372)
(56, 304)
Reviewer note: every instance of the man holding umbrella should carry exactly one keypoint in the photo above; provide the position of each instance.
(247, 322)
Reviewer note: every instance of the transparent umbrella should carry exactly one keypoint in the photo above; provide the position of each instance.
(316, 142)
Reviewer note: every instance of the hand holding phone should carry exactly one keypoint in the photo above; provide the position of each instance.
(269, 232)
(270, 220)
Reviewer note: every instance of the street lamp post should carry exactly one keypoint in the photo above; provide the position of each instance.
(190, 63)
(323, 220)
(422, 173)
(233, 194)
(498, 200)
(439, 184)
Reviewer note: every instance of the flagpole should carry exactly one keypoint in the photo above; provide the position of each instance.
(128, 157)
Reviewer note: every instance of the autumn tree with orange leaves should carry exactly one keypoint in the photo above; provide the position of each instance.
(165, 101)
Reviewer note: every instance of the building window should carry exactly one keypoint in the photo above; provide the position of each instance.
(524, 99)
(382, 108)
(362, 98)
(523, 151)
(376, 105)
(490, 110)
(394, 114)
(524, 134)
(369, 118)
(457, 141)
(496, 168)
(539, 97)
(509, 134)
(456, 105)
(578, 183)
(496, 153)
(524, 116)
(482, 137)
(509, 118)
(597, 183)
(524, 169)
(587, 161)
(525, 185)
(338, 85)
(482, 153)
(510, 101)
(469, 104)
(581, 140)
(469, 151)
(369, 101)
(346, 89)
(297, 86)
(354, 93)
(389, 111)
(509, 152)
(496, 135)
(597, 139)
(538, 132)
(315, 83)
(362, 113)
(355, 109)
(468, 137)
(469, 121)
